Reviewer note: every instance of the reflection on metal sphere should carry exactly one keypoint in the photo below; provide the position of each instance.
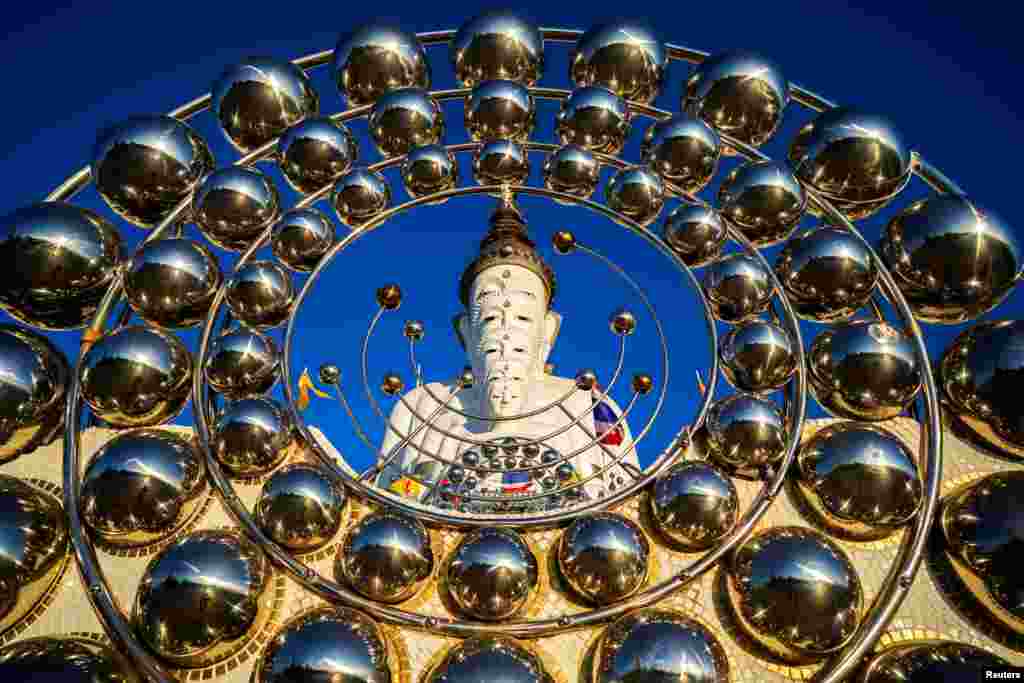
(501, 162)
(200, 596)
(492, 574)
(71, 659)
(242, 362)
(386, 557)
(251, 436)
(694, 505)
(403, 119)
(856, 160)
(738, 288)
(925, 661)
(301, 508)
(740, 94)
(147, 165)
(763, 200)
(392, 384)
(746, 431)
(860, 480)
(683, 150)
(360, 195)
(377, 59)
(315, 153)
(490, 659)
(863, 370)
(627, 58)
(429, 169)
(594, 118)
(696, 233)
(573, 170)
(642, 383)
(827, 273)
(141, 486)
(301, 238)
(586, 379)
(260, 98)
(413, 330)
(497, 46)
(172, 282)
(328, 644)
(795, 592)
(952, 260)
(57, 261)
(136, 377)
(330, 374)
(260, 294)
(500, 110)
(234, 206)
(34, 376)
(622, 322)
(389, 297)
(758, 357)
(604, 557)
(634, 648)
(636, 192)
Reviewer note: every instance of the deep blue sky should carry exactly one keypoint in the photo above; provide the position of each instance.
(947, 81)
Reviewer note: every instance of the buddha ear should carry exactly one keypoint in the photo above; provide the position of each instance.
(552, 324)
(461, 324)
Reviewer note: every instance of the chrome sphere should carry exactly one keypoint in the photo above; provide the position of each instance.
(860, 480)
(315, 153)
(234, 206)
(136, 377)
(573, 170)
(301, 508)
(636, 192)
(260, 294)
(604, 557)
(403, 119)
(863, 370)
(260, 98)
(242, 362)
(758, 356)
(746, 431)
(145, 166)
(68, 660)
(200, 597)
(172, 282)
(925, 661)
(377, 59)
(490, 659)
(492, 574)
(738, 288)
(386, 557)
(500, 110)
(740, 94)
(683, 150)
(764, 200)
(696, 233)
(429, 169)
(141, 486)
(636, 647)
(952, 260)
(694, 505)
(57, 262)
(360, 195)
(795, 592)
(328, 644)
(251, 436)
(34, 377)
(625, 57)
(497, 45)
(856, 160)
(595, 118)
(301, 238)
(827, 273)
(501, 162)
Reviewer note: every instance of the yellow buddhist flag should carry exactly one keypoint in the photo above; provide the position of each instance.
(410, 488)
(700, 384)
(305, 386)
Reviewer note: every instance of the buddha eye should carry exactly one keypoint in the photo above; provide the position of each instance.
(519, 350)
(524, 318)
(490, 351)
(490, 318)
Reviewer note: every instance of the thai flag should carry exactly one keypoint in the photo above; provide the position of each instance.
(605, 418)
(515, 482)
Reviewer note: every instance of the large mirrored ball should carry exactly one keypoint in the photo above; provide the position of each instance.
(260, 294)
(376, 59)
(764, 200)
(258, 99)
(604, 557)
(683, 150)
(34, 376)
(490, 659)
(429, 169)
(637, 193)
(696, 234)
(72, 659)
(301, 237)
(856, 160)
(386, 557)
(141, 486)
(637, 647)
(234, 206)
(952, 260)
(694, 505)
(500, 110)
(201, 596)
(740, 94)
(827, 273)
(492, 574)
(172, 282)
(794, 592)
(242, 362)
(572, 169)
(301, 508)
(924, 661)
(251, 436)
(403, 119)
(595, 118)
(746, 431)
(625, 57)
(758, 356)
(136, 377)
(501, 162)
(861, 481)
(360, 195)
(145, 166)
(864, 370)
(329, 644)
(738, 287)
(315, 153)
(497, 45)
(57, 261)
